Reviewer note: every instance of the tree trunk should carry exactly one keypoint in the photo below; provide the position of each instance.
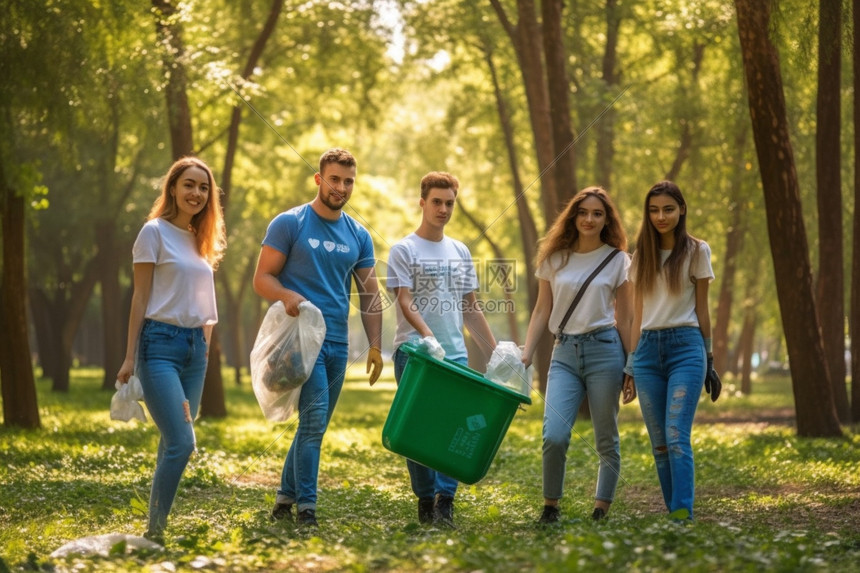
(528, 229)
(813, 396)
(745, 348)
(178, 110)
(611, 78)
(212, 403)
(507, 282)
(234, 301)
(110, 252)
(854, 321)
(20, 407)
(563, 167)
(734, 245)
(526, 39)
(828, 159)
(685, 140)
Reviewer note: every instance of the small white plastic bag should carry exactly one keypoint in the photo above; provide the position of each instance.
(506, 368)
(429, 345)
(124, 404)
(283, 357)
(105, 545)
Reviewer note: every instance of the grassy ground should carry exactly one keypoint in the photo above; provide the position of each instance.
(766, 500)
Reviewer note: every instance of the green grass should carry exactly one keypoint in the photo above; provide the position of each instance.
(766, 500)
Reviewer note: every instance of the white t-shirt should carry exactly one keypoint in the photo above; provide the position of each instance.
(438, 274)
(661, 309)
(183, 284)
(596, 308)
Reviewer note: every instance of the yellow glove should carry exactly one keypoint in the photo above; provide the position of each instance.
(374, 363)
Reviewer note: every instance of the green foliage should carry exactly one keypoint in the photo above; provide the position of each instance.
(767, 500)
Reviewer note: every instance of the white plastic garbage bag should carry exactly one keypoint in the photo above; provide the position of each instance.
(125, 402)
(283, 357)
(506, 368)
(105, 545)
(429, 345)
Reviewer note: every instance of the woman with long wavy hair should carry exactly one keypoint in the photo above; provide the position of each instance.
(588, 356)
(172, 315)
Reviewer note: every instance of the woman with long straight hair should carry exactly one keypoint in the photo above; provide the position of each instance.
(671, 335)
(588, 356)
(172, 315)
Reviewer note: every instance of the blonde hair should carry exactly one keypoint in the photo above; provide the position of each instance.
(208, 224)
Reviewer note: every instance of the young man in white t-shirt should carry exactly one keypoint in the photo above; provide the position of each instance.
(433, 280)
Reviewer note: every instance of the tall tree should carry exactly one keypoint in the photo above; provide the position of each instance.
(525, 36)
(813, 396)
(735, 234)
(830, 289)
(18, 387)
(854, 318)
(168, 24)
(234, 299)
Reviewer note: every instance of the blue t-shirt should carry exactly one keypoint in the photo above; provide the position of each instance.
(321, 257)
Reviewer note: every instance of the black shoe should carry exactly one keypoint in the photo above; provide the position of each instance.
(282, 511)
(443, 511)
(425, 510)
(598, 514)
(551, 514)
(307, 518)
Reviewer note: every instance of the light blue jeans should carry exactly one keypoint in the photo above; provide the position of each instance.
(669, 370)
(171, 365)
(316, 406)
(426, 482)
(591, 365)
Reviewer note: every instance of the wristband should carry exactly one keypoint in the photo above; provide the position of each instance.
(709, 345)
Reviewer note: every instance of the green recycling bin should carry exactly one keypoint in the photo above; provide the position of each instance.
(448, 417)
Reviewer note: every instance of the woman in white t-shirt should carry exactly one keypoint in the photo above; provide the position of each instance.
(172, 315)
(671, 335)
(588, 357)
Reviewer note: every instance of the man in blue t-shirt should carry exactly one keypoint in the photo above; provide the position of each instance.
(434, 282)
(312, 252)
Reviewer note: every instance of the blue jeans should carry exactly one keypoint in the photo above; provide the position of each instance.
(316, 406)
(426, 482)
(591, 365)
(171, 365)
(669, 369)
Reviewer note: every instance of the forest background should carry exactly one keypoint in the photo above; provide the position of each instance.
(748, 106)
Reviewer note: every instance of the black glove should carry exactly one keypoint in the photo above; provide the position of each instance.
(713, 386)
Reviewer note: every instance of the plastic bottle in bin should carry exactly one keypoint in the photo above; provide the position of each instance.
(506, 368)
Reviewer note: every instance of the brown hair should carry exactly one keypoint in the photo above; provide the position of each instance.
(208, 224)
(337, 155)
(646, 260)
(563, 234)
(438, 180)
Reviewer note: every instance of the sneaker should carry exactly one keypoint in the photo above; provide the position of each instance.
(443, 511)
(598, 514)
(282, 511)
(425, 510)
(154, 536)
(307, 518)
(551, 514)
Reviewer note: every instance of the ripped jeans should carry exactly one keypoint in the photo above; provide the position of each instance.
(669, 371)
(171, 365)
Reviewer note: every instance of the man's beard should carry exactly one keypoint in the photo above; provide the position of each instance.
(326, 200)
